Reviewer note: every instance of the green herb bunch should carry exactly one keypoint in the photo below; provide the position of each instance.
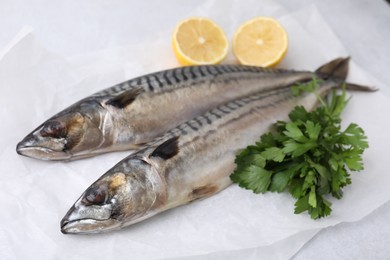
(310, 156)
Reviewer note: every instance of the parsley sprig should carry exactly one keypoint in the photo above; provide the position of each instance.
(310, 156)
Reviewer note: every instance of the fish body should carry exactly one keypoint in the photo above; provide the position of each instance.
(132, 113)
(192, 161)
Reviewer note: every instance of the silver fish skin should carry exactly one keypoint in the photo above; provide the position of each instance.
(192, 161)
(134, 112)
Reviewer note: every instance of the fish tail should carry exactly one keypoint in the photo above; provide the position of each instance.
(338, 69)
(357, 87)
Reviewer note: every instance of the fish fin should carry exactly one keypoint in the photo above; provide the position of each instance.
(337, 68)
(202, 192)
(167, 150)
(124, 99)
(356, 87)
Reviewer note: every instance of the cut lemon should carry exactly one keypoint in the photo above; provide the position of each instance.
(199, 41)
(261, 41)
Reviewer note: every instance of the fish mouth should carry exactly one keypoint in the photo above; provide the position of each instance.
(88, 226)
(42, 153)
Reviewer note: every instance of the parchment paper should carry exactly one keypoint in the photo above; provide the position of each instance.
(235, 223)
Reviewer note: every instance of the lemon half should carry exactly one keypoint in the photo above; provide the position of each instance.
(198, 41)
(261, 41)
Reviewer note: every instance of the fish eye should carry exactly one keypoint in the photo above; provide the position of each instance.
(53, 129)
(95, 195)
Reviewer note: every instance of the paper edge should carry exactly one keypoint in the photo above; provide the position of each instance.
(24, 32)
(269, 251)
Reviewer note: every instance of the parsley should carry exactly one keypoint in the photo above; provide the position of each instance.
(310, 156)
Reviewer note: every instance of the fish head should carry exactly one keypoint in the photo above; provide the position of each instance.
(117, 199)
(66, 135)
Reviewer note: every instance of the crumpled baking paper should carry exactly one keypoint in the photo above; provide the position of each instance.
(235, 224)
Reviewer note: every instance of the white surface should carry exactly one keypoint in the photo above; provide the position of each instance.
(33, 198)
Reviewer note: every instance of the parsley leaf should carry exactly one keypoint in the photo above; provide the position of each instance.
(310, 156)
(254, 178)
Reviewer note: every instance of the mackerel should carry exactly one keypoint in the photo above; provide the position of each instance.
(132, 113)
(192, 161)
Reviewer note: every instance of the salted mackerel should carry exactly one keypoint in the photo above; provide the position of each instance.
(134, 112)
(190, 162)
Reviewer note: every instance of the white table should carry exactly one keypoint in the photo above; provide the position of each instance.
(363, 26)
